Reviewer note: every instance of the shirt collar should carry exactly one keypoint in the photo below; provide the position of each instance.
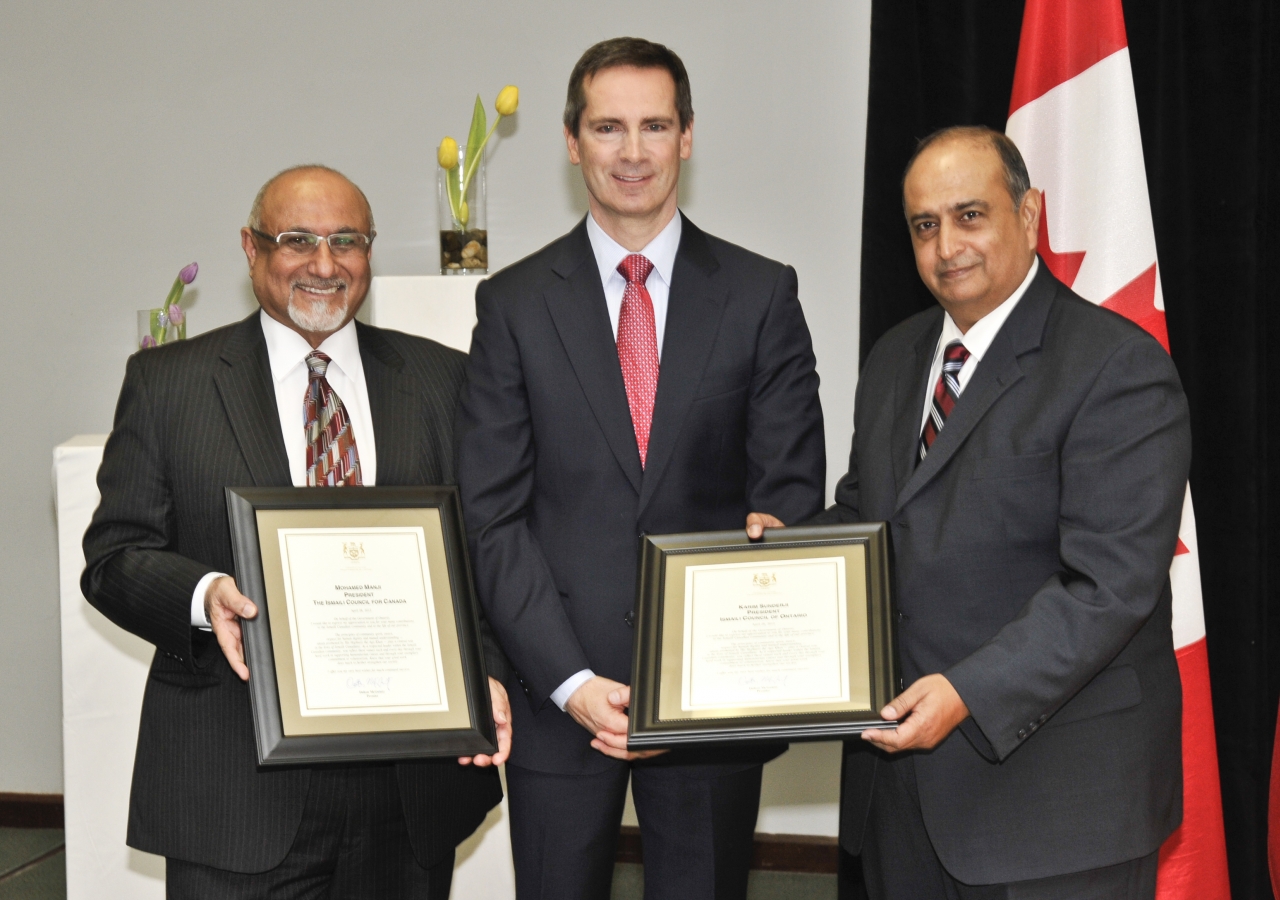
(977, 340)
(286, 349)
(661, 251)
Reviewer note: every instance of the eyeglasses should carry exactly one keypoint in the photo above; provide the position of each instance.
(304, 243)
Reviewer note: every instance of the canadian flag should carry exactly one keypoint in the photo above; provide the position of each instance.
(1074, 116)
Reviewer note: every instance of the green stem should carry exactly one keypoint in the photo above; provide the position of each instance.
(175, 292)
(471, 170)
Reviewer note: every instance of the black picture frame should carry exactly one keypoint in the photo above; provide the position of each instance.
(274, 746)
(649, 729)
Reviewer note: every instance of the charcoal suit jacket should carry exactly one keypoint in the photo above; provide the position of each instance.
(193, 418)
(553, 491)
(1032, 548)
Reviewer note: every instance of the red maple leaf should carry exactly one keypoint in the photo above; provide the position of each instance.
(1064, 266)
(1136, 301)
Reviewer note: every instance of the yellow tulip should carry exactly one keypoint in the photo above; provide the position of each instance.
(464, 213)
(448, 154)
(508, 100)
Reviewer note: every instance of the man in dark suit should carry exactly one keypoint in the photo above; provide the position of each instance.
(636, 375)
(1030, 453)
(231, 407)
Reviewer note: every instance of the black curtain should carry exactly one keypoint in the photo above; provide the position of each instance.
(1206, 78)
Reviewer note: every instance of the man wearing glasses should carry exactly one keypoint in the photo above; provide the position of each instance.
(298, 393)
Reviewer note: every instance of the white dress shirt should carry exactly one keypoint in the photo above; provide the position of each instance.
(661, 251)
(977, 340)
(287, 352)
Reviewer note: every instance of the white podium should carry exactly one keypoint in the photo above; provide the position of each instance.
(441, 307)
(104, 670)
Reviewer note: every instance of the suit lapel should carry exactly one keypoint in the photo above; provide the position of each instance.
(393, 408)
(249, 398)
(999, 370)
(694, 307)
(577, 307)
(909, 394)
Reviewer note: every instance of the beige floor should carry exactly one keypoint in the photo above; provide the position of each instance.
(33, 867)
(628, 884)
(33, 864)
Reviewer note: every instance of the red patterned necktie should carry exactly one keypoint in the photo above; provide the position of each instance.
(638, 347)
(945, 394)
(332, 458)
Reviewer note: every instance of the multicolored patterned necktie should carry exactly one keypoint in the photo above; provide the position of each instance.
(638, 347)
(332, 458)
(945, 394)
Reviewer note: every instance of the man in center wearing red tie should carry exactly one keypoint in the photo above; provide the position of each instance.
(635, 376)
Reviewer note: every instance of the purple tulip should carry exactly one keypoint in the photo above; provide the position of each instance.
(176, 315)
(188, 273)
(147, 341)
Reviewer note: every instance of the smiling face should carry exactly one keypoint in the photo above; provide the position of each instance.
(319, 293)
(973, 246)
(629, 145)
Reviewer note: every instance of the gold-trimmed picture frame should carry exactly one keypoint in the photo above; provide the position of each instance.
(787, 638)
(366, 646)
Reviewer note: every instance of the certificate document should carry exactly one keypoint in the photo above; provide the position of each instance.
(765, 634)
(362, 617)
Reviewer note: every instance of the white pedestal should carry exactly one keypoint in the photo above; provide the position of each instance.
(441, 307)
(104, 669)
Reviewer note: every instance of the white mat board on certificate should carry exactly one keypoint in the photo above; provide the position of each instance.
(363, 643)
(765, 634)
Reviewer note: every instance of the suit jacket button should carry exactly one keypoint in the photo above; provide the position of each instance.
(630, 618)
(1022, 733)
(1043, 719)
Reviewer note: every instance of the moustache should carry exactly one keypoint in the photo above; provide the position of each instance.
(319, 284)
(943, 268)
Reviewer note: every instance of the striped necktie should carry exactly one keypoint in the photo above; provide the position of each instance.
(945, 394)
(638, 348)
(332, 458)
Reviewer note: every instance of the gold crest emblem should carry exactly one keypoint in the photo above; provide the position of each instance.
(353, 550)
(764, 579)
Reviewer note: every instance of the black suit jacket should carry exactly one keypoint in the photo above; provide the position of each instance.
(1032, 549)
(195, 417)
(552, 488)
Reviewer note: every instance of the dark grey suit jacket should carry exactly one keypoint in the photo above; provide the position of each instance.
(195, 417)
(552, 488)
(1032, 549)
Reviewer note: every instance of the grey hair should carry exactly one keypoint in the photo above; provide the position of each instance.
(255, 211)
(1016, 180)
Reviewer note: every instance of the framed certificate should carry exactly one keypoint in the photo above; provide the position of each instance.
(787, 638)
(366, 645)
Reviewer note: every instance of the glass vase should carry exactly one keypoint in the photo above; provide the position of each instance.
(155, 327)
(464, 246)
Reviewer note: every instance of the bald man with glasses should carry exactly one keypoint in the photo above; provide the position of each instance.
(242, 405)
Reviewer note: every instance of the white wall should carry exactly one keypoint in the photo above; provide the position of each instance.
(133, 136)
